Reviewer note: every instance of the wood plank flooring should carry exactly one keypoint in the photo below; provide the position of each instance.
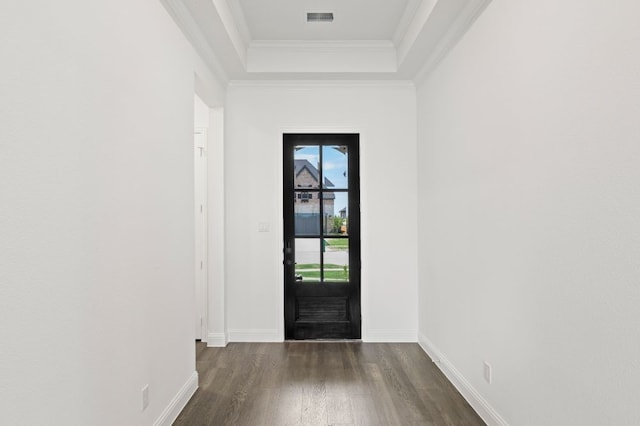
(322, 383)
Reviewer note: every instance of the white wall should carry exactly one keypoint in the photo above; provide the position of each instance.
(529, 210)
(96, 211)
(256, 116)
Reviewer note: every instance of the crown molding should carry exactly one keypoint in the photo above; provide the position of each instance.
(454, 34)
(415, 27)
(240, 20)
(321, 56)
(322, 44)
(194, 35)
(405, 21)
(239, 40)
(407, 84)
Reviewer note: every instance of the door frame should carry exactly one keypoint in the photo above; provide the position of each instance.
(278, 141)
(201, 282)
(355, 208)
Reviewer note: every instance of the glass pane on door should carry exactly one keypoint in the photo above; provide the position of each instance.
(335, 165)
(336, 260)
(335, 213)
(306, 207)
(307, 258)
(306, 166)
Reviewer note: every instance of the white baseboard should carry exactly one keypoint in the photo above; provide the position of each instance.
(390, 336)
(254, 335)
(473, 397)
(177, 404)
(217, 340)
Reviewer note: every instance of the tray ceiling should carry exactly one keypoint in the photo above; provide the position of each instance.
(353, 19)
(367, 40)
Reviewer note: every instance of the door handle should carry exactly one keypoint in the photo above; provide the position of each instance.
(287, 254)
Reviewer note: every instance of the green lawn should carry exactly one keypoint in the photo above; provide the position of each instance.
(332, 272)
(317, 266)
(338, 242)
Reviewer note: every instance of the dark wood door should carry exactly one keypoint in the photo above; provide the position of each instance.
(321, 236)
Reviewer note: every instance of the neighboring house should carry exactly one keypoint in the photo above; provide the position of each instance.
(307, 199)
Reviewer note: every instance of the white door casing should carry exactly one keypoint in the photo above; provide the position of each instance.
(200, 209)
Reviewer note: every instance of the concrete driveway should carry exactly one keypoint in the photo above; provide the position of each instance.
(308, 251)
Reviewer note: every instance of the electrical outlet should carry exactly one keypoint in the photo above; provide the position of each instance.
(487, 372)
(145, 397)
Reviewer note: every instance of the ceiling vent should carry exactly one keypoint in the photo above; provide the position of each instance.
(319, 16)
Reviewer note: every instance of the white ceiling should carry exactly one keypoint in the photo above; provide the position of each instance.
(353, 19)
(368, 39)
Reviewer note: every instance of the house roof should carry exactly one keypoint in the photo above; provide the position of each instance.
(300, 165)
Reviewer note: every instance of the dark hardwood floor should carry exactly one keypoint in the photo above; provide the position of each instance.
(322, 383)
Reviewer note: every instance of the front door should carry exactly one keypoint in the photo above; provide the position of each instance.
(321, 236)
